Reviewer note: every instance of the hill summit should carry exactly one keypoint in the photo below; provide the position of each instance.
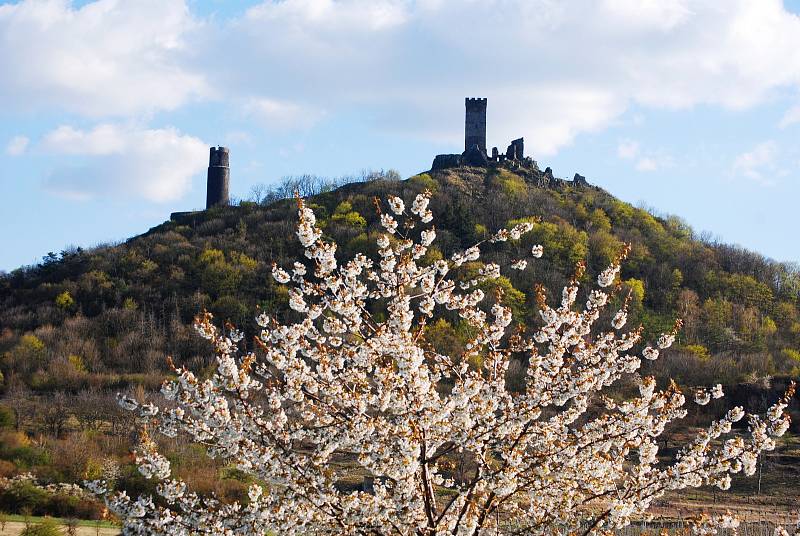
(118, 311)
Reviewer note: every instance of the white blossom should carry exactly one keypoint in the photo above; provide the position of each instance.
(280, 275)
(355, 378)
(607, 276)
(519, 264)
(650, 353)
(620, 319)
(389, 223)
(702, 397)
(396, 204)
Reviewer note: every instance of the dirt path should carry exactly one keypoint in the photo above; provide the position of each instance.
(13, 528)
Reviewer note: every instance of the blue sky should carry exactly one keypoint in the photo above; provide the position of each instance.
(690, 107)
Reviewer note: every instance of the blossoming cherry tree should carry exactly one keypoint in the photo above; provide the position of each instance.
(354, 388)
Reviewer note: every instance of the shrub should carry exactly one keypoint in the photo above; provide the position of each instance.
(47, 527)
(23, 496)
(65, 301)
(6, 417)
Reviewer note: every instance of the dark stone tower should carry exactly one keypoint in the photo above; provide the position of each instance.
(219, 177)
(475, 124)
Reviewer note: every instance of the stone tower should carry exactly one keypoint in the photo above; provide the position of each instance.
(475, 124)
(219, 177)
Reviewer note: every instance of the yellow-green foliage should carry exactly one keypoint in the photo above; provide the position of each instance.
(443, 338)
(717, 316)
(148, 267)
(678, 227)
(792, 354)
(243, 261)
(130, 304)
(65, 301)
(512, 297)
(321, 212)
(27, 355)
(600, 220)
(343, 208)
(345, 214)
(432, 255)
(212, 256)
(516, 221)
(647, 223)
(99, 280)
(768, 326)
(621, 213)
(481, 231)
(451, 340)
(697, 350)
(636, 288)
(221, 276)
(579, 210)
(563, 243)
(512, 185)
(351, 218)
(740, 288)
(425, 182)
(359, 243)
(77, 363)
(604, 248)
(30, 345)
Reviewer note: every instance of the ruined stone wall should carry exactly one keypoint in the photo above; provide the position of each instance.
(516, 151)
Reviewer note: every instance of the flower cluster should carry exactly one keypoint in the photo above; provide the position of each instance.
(354, 387)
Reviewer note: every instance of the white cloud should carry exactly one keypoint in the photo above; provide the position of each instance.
(280, 115)
(112, 159)
(645, 160)
(323, 16)
(791, 116)
(103, 59)
(238, 137)
(17, 145)
(551, 70)
(647, 164)
(103, 139)
(627, 149)
(659, 15)
(759, 164)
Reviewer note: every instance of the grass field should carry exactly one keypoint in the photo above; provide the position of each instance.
(12, 525)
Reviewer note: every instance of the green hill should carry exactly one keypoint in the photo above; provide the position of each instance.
(85, 324)
(109, 316)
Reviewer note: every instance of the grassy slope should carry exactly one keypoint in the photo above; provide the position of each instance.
(120, 309)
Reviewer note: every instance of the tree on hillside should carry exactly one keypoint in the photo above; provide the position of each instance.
(353, 389)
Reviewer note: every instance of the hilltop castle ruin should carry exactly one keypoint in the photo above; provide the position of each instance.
(475, 153)
(218, 184)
